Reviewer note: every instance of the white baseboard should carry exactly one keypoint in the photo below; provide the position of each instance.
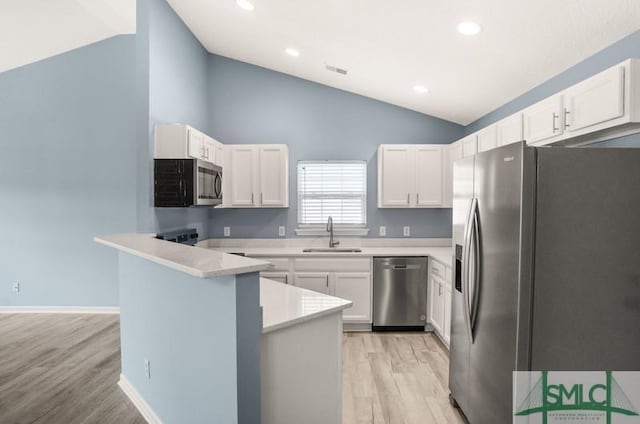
(59, 310)
(138, 401)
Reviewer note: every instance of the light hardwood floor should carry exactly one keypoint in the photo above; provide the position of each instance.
(64, 368)
(395, 378)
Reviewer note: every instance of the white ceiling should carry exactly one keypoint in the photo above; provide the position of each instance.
(389, 46)
(32, 30)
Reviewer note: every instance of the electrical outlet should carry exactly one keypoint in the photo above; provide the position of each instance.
(16, 287)
(281, 231)
(147, 369)
(227, 231)
(383, 231)
(406, 231)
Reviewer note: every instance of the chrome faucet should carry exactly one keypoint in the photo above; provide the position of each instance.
(330, 230)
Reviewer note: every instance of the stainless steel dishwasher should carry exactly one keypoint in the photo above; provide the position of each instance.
(399, 293)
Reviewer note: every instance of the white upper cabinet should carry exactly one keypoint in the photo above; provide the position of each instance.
(509, 130)
(596, 100)
(469, 145)
(428, 171)
(544, 120)
(411, 176)
(274, 175)
(395, 176)
(243, 165)
(256, 176)
(178, 141)
(487, 138)
(451, 153)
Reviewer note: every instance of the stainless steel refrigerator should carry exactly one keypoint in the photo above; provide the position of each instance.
(547, 269)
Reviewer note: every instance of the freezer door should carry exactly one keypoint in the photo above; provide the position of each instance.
(493, 285)
(460, 342)
(586, 308)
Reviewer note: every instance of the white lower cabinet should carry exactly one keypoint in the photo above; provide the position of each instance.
(436, 304)
(356, 287)
(439, 299)
(280, 277)
(316, 281)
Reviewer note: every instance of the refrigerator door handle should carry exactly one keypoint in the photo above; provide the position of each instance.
(466, 256)
(475, 236)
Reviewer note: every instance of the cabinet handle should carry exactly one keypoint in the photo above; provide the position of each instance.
(555, 116)
(566, 118)
(439, 289)
(408, 198)
(261, 198)
(417, 198)
(327, 279)
(252, 198)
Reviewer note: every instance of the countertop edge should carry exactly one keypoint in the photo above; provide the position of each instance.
(183, 268)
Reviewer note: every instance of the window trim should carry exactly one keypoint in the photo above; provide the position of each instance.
(339, 229)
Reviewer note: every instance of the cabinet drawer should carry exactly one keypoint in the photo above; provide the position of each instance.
(279, 264)
(333, 264)
(438, 269)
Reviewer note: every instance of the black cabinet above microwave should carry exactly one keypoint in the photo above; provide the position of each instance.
(180, 183)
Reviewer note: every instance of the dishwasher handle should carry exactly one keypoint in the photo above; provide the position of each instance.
(405, 267)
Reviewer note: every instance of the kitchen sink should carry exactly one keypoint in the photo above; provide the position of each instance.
(332, 250)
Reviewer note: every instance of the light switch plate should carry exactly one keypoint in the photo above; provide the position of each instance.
(16, 287)
(227, 231)
(281, 231)
(406, 231)
(383, 231)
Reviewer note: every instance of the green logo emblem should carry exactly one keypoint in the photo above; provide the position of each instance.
(606, 396)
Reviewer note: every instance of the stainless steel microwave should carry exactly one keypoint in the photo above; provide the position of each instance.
(186, 182)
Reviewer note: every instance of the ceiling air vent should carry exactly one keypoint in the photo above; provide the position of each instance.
(335, 69)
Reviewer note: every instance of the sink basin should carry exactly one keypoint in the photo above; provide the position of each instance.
(332, 250)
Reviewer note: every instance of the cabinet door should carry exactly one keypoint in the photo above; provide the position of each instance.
(356, 287)
(280, 277)
(596, 100)
(428, 171)
(436, 306)
(217, 156)
(469, 146)
(543, 120)
(316, 281)
(446, 319)
(509, 130)
(396, 176)
(453, 153)
(195, 141)
(487, 139)
(244, 164)
(273, 176)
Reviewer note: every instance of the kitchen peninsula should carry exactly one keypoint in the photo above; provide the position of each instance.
(203, 336)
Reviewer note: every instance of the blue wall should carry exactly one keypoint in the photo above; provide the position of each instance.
(249, 104)
(67, 134)
(628, 47)
(173, 81)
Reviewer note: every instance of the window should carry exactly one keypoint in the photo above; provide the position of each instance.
(336, 189)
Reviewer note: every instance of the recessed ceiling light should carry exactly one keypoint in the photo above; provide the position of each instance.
(246, 5)
(420, 89)
(469, 28)
(292, 52)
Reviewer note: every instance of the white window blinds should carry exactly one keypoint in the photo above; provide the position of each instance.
(332, 188)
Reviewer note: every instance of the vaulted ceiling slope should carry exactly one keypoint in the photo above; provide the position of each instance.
(32, 30)
(388, 47)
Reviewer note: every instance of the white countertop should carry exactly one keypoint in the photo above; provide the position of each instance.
(196, 261)
(284, 305)
(441, 254)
